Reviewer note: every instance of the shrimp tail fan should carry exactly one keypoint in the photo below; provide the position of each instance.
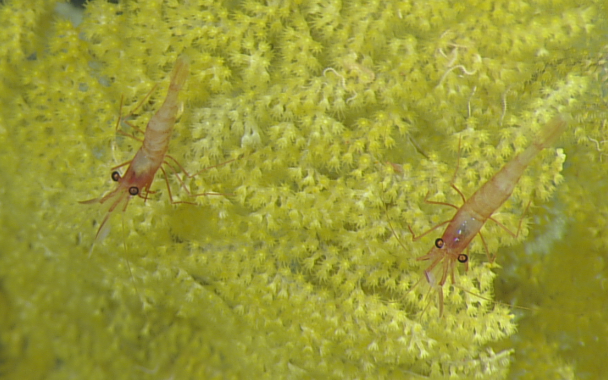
(553, 130)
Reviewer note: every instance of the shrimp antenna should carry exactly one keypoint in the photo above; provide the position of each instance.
(124, 244)
(390, 224)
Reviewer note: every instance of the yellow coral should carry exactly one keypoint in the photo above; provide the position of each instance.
(343, 116)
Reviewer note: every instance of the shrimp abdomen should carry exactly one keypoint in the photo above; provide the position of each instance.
(499, 188)
(160, 126)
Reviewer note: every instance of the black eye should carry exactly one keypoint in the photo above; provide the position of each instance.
(439, 243)
(462, 258)
(115, 176)
(133, 190)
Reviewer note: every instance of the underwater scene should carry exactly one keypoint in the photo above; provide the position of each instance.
(320, 189)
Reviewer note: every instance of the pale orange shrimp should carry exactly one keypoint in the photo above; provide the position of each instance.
(149, 158)
(472, 215)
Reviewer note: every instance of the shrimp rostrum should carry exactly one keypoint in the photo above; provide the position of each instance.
(471, 216)
(151, 155)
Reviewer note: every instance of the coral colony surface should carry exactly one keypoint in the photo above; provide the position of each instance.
(321, 127)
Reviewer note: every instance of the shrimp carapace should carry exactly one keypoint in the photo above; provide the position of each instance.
(471, 216)
(151, 155)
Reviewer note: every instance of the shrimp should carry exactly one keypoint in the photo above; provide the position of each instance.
(475, 211)
(151, 155)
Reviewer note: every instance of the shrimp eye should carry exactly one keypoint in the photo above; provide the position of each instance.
(462, 258)
(115, 176)
(133, 190)
(439, 243)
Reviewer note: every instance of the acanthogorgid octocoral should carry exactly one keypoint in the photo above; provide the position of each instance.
(342, 117)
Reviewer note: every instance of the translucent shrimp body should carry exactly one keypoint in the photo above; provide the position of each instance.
(151, 155)
(472, 215)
